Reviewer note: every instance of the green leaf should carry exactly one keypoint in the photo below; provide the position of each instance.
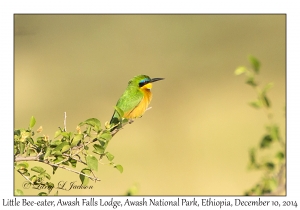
(252, 154)
(22, 147)
(55, 143)
(47, 176)
(29, 139)
(54, 169)
(266, 101)
(250, 81)
(32, 122)
(42, 194)
(65, 148)
(98, 149)
(40, 139)
(101, 141)
(105, 135)
(65, 162)
(58, 159)
(270, 165)
(23, 171)
(256, 104)
(88, 131)
(274, 132)
(56, 153)
(92, 122)
(47, 153)
(26, 174)
(57, 133)
(73, 162)
(84, 179)
(66, 134)
(92, 162)
(77, 138)
(33, 178)
(270, 184)
(22, 165)
(18, 192)
(109, 156)
(133, 190)
(280, 155)
(255, 63)
(24, 136)
(17, 132)
(268, 87)
(38, 169)
(266, 141)
(50, 186)
(119, 167)
(240, 70)
(31, 151)
(120, 112)
(27, 152)
(59, 147)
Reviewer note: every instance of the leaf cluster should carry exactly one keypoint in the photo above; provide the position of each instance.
(273, 165)
(87, 146)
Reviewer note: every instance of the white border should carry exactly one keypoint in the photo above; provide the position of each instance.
(291, 8)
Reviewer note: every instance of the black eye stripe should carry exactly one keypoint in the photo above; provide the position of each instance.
(143, 82)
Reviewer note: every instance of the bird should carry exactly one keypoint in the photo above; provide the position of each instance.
(135, 99)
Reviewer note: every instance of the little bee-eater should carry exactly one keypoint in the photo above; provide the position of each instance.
(135, 99)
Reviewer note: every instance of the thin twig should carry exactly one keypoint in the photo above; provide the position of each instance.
(116, 130)
(78, 160)
(64, 160)
(25, 177)
(68, 169)
(65, 121)
(77, 172)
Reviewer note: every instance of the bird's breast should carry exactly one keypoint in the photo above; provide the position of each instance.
(140, 109)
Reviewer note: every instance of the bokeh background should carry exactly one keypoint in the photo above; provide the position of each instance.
(195, 139)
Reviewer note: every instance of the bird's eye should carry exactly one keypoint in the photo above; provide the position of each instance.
(143, 82)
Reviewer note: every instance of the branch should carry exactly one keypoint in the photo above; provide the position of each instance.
(25, 177)
(37, 158)
(116, 130)
(65, 122)
(73, 157)
(68, 169)
(28, 158)
(281, 183)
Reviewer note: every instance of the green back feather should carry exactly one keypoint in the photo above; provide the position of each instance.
(128, 101)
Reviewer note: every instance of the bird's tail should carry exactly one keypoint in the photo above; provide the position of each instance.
(114, 121)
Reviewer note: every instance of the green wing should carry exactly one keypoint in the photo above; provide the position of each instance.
(128, 101)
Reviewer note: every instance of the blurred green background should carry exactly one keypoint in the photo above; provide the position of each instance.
(195, 139)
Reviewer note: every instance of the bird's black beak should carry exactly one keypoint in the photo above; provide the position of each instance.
(156, 79)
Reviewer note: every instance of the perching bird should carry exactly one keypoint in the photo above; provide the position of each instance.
(135, 99)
